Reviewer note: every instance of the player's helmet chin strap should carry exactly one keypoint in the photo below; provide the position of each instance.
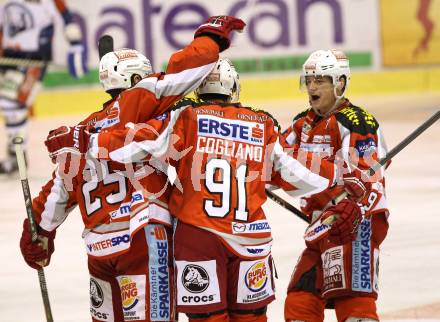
(339, 99)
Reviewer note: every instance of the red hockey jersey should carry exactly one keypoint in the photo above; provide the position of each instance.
(350, 133)
(224, 155)
(115, 201)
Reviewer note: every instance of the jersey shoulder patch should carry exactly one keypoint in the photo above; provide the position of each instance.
(357, 119)
(260, 111)
(186, 101)
(302, 114)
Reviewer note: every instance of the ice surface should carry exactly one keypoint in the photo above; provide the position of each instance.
(410, 257)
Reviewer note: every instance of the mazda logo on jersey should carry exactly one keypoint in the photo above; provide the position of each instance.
(238, 227)
(236, 130)
(195, 278)
(259, 226)
(96, 294)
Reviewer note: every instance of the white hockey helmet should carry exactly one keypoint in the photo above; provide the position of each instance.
(223, 80)
(333, 63)
(117, 67)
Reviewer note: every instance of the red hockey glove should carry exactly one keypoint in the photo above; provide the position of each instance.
(36, 255)
(219, 29)
(356, 184)
(68, 139)
(347, 217)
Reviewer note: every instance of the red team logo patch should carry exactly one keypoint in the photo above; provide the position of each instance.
(256, 277)
(257, 132)
(159, 233)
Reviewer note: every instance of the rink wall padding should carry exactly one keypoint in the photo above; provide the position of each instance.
(85, 99)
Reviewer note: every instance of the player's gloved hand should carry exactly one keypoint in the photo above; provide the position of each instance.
(77, 52)
(356, 184)
(338, 223)
(68, 139)
(37, 254)
(345, 224)
(219, 28)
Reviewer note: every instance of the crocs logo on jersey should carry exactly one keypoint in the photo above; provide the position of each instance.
(236, 130)
(129, 292)
(256, 276)
(96, 294)
(195, 278)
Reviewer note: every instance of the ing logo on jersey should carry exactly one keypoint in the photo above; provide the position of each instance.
(129, 292)
(235, 130)
(256, 276)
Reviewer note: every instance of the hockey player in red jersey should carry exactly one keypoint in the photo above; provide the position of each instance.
(27, 29)
(127, 228)
(223, 153)
(345, 276)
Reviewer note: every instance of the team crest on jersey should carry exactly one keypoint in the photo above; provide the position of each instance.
(306, 128)
(333, 269)
(235, 130)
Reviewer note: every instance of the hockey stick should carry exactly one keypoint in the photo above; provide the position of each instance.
(18, 142)
(286, 205)
(371, 171)
(105, 45)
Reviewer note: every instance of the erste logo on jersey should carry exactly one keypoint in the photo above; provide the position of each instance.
(235, 130)
(256, 276)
